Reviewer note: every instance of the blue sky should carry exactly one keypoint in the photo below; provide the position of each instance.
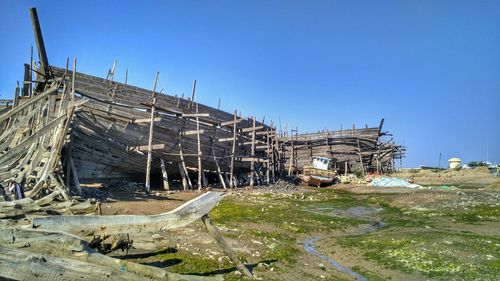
(430, 68)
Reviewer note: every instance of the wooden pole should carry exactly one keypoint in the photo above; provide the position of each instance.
(166, 186)
(75, 177)
(232, 183)
(214, 232)
(68, 165)
(268, 153)
(200, 183)
(252, 163)
(150, 140)
(183, 175)
(73, 80)
(273, 157)
(27, 80)
(42, 54)
(183, 163)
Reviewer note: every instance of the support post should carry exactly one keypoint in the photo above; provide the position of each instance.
(183, 175)
(27, 80)
(252, 163)
(75, 177)
(183, 165)
(232, 184)
(268, 158)
(166, 186)
(150, 140)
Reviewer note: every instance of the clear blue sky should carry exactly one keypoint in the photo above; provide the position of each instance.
(430, 68)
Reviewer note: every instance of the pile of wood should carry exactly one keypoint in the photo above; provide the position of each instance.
(363, 150)
(72, 247)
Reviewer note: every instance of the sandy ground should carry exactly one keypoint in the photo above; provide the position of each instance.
(177, 248)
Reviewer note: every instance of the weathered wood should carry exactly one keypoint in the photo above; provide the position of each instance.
(183, 215)
(147, 147)
(193, 132)
(42, 54)
(52, 89)
(190, 115)
(252, 163)
(76, 182)
(232, 122)
(251, 129)
(146, 120)
(233, 150)
(150, 139)
(166, 186)
(214, 232)
(53, 255)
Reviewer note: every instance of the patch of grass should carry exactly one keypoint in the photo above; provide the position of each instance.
(289, 214)
(477, 214)
(192, 264)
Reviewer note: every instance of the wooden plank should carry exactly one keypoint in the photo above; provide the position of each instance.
(251, 129)
(226, 139)
(146, 147)
(146, 120)
(193, 132)
(232, 122)
(17, 109)
(75, 177)
(189, 115)
(183, 215)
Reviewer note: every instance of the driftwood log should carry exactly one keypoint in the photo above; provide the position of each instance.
(107, 225)
(29, 254)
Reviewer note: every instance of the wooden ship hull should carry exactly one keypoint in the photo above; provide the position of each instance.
(65, 127)
(364, 149)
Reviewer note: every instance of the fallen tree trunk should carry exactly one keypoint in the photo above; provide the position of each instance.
(108, 225)
(29, 254)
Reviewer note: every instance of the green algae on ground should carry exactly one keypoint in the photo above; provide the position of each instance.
(443, 255)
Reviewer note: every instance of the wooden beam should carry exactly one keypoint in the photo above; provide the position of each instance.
(193, 132)
(214, 232)
(252, 163)
(42, 54)
(146, 147)
(166, 186)
(189, 115)
(251, 129)
(232, 182)
(76, 182)
(150, 138)
(17, 109)
(146, 120)
(226, 139)
(232, 122)
(181, 216)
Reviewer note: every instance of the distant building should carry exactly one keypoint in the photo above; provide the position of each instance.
(455, 163)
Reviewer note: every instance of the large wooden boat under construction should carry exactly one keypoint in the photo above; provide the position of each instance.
(65, 127)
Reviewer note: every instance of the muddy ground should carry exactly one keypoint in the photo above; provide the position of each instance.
(343, 232)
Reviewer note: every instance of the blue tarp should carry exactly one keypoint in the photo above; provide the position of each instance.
(392, 182)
